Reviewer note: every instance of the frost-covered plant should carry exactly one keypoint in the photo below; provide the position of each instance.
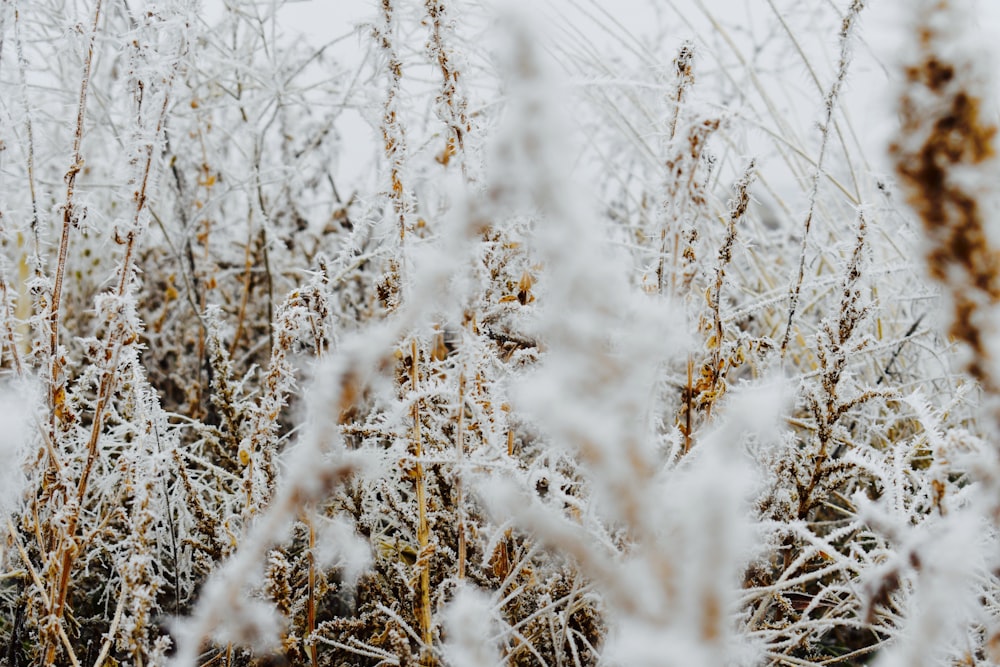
(623, 364)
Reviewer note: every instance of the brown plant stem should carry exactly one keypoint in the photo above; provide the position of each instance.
(67, 645)
(68, 222)
(423, 611)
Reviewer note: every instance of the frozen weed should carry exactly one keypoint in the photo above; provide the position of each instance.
(650, 377)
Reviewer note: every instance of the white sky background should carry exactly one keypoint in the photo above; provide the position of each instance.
(867, 97)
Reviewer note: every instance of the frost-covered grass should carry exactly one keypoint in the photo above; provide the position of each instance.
(618, 350)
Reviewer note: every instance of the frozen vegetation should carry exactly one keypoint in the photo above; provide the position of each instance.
(476, 336)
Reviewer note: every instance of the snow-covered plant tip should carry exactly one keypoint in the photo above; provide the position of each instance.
(463, 336)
